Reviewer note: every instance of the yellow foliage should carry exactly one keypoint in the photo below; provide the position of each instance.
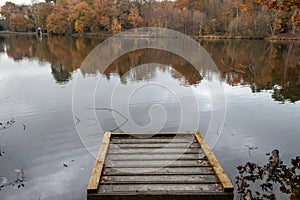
(79, 26)
(116, 26)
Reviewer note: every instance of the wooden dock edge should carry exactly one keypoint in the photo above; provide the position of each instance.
(223, 178)
(147, 134)
(99, 164)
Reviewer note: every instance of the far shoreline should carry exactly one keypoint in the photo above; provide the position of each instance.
(279, 37)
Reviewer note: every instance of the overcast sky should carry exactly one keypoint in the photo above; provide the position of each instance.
(2, 2)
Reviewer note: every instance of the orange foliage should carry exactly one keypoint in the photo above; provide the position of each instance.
(134, 18)
(292, 6)
(57, 22)
(18, 22)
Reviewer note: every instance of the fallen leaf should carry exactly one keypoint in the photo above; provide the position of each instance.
(247, 197)
(106, 178)
(210, 170)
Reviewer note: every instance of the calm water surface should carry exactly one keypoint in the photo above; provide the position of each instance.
(37, 81)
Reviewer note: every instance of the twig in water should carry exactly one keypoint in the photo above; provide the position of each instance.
(65, 165)
(113, 110)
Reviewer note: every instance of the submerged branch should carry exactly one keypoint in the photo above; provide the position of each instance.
(232, 69)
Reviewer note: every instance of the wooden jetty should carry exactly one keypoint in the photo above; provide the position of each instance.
(160, 166)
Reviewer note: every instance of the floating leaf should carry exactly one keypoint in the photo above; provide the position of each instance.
(18, 171)
(3, 182)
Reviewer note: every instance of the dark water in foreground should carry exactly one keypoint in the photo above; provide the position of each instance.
(149, 87)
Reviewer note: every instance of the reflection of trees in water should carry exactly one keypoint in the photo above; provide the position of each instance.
(129, 67)
(64, 51)
(60, 74)
(276, 66)
(274, 174)
(2, 42)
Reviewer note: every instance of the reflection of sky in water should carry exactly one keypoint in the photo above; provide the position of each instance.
(50, 138)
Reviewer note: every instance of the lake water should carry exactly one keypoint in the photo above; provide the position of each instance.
(61, 109)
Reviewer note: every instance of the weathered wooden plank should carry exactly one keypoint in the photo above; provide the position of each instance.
(158, 171)
(96, 174)
(156, 157)
(161, 195)
(154, 145)
(225, 181)
(146, 135)
(160, 163)
(159, 179)
(151, 140)
(162, 188)
(155, 150)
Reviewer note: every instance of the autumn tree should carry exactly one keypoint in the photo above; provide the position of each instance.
(82, 15)
(122, 12)
(18, 17)
(190, 5)
(134, 18)
(18, 22)
(7, 10)
(41, 11)
(116, 27)
(219, 17)
(199, 20)
(147, 11)
(288, 6)
(105, 11)
(57, 21)
(167, 15)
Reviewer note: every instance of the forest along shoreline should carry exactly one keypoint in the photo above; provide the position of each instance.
(253, 19)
